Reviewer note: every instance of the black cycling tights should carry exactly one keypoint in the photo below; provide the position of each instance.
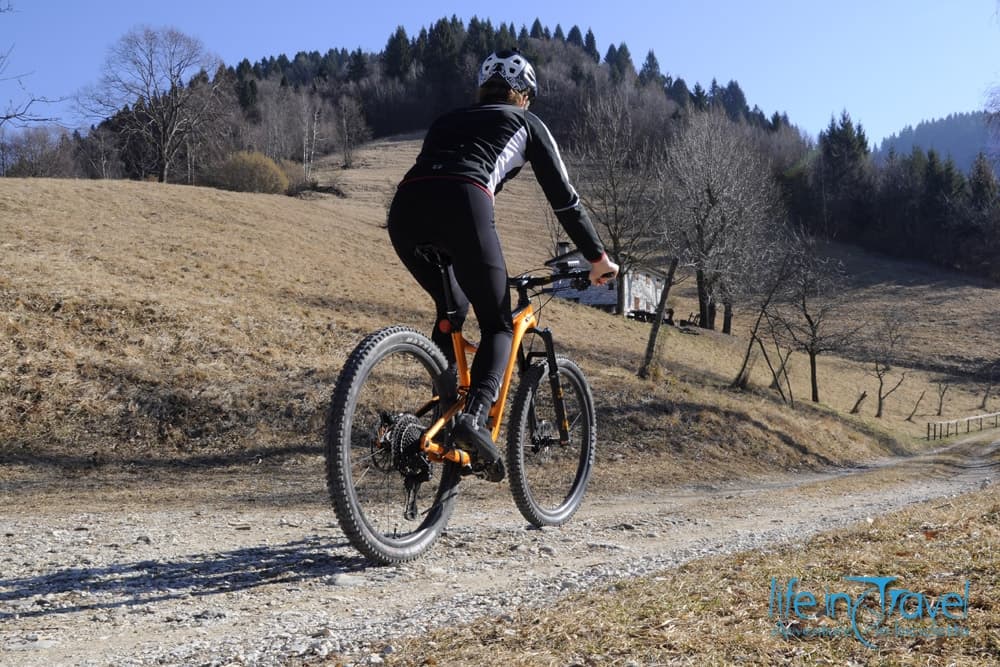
(457, 218)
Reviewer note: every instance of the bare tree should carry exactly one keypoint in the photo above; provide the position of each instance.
(883, 347)
(312, 116)
(618, 178)
(100, 154)
(720, 194)
(942, 389)
(771, 281)
(18, 111)
(39, 151)
(154, 82)
(319, 128)
(278, 133)
(353, 130)
(812, 319)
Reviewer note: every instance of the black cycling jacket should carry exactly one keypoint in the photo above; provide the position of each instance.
(487, 144)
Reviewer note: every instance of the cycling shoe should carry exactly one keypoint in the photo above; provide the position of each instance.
(469, 435)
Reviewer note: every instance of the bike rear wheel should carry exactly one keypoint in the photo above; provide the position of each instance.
(390, 501)
(547, 478)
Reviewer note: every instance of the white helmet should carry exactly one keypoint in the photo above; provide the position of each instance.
(513, 68)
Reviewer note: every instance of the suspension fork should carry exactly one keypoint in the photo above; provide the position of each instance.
(554, 383)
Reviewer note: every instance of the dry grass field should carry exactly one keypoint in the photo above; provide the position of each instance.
(169, 323)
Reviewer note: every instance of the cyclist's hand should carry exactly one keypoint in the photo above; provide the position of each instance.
(602, 270)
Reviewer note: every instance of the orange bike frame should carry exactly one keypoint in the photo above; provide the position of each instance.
(524, 320)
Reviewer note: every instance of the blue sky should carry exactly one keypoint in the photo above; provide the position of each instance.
(889, 63)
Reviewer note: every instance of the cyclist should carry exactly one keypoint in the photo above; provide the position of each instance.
(446, 201)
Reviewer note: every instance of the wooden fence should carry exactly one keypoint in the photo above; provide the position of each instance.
(937, 430)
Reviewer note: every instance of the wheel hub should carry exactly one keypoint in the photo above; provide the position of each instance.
(544, 436)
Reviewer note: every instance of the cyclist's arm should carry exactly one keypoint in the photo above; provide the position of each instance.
(550, 170)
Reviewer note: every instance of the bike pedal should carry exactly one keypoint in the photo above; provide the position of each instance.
(494, 472)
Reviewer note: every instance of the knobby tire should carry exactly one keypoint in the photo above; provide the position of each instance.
(369, 439)
(547, 479)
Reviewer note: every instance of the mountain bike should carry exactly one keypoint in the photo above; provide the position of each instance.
(393, 473)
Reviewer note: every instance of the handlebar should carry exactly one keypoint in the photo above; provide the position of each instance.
(580, 280)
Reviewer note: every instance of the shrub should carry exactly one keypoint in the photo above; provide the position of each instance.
(250, 171)
(296, 178)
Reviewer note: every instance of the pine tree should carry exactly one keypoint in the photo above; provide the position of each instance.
(244, 70)
(575, 37)
(699, 98)
(650, 72)
(537, 31)
(624, 65)
(441, 55)
(479, 39)
(734, 101)
(397, 57)
(983, 187)
(357, 69)
(715, 94)
(679, 92)
(845, 180)
(611, 57)
(420, 45)
(558, 34)
(590, 46)
(443, 65)
(506, 37)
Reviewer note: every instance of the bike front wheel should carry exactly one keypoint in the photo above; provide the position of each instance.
(548, 478)
(391, 502)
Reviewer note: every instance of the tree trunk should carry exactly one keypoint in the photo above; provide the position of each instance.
(654, 331)
(620, 294)
(711, 315)
(775, 373)
(857, 403)
(743, 375)
(727, 318)
(942, 390)
(916, 407)
(703, 303)
(812, 377)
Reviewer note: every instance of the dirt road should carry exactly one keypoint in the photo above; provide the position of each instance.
(247, 567)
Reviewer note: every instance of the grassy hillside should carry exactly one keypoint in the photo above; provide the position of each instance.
(143, 322)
